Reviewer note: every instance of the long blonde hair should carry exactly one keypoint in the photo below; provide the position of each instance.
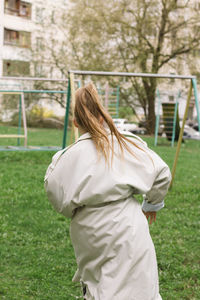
(90, 116)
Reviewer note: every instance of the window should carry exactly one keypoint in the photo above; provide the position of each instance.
(18, 8)
(17, 38)
(11, 37)
(16, 68)
(12, 7)
(25, 10)
(25, 39)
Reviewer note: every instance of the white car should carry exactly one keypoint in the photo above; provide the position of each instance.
(190, 133)
(125, 125)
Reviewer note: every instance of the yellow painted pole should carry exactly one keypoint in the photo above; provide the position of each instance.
(181, 134)
(10, 93)
(75, 130)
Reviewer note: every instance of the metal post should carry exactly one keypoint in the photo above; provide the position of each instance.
(174, 121)
(68, 96)
(106, 95)
(194, 83)
(181, 133)
(157, 119)
(117, 104)
(174, 124)
(75, 130)
(20, 119)
(79, 83)
(24, 120)
(126, 74)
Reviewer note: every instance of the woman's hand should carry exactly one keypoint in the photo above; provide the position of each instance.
(151, 216)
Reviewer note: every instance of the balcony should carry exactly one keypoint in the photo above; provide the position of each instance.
(17, 38)
(18, 8)
(16, 68)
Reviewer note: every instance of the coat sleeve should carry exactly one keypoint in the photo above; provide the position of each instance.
(54, 188)
(153, 200)
(64, 180)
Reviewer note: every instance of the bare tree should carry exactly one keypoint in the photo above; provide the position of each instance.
(126, 35)
(134, 36)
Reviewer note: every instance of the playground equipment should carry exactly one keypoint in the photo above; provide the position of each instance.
(22, 114)
(170, 116)
(18, 89)
(71, 94)
(109, 95)
(111, 99)
(170, 119)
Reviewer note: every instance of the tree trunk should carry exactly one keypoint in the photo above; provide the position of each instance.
(151, 114)
(150, 90)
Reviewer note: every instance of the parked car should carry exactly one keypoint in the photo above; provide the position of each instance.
(190, 133)
(196, 127)
(124, 125)
(139, 130)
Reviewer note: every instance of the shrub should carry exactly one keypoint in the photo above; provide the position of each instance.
(39, 117)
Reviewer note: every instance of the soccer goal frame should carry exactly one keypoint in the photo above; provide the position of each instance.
(22, 92)
(193, 86)
(21, 111)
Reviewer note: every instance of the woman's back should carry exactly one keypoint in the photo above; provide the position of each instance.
(93, 182)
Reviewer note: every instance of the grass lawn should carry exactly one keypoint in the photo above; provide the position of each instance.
(41, 137)
(36, 255)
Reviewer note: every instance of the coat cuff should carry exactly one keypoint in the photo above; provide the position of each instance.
(146, 206)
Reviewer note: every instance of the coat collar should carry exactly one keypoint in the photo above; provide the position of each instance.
(84, 136)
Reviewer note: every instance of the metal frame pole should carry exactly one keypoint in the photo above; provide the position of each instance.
(106, 95)
(68, 96)
(174, 121)
(126, 74)
(157, 119)
(75, 130)
(79, 83)
(24, 120)
(20, 119)
(32, 91)
(117, 104)
(194, 83)
(181, 133)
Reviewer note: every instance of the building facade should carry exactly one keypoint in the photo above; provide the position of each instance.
(30, 29)
(24, 36)
(21, 24)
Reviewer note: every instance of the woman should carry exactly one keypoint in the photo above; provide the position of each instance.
(93, 182)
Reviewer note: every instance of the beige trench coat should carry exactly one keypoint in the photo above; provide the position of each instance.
(110, 235)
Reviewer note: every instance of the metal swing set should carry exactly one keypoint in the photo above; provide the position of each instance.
(193, 86)
(110, 96)
(22, 111)
(70, 101)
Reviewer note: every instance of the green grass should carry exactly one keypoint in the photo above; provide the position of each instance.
(36, 255)
(36, 137)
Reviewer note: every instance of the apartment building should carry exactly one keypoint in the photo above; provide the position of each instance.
(25, 28)
(16, 26)
(20, 32)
